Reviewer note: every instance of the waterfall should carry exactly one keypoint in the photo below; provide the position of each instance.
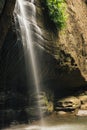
(26, 20)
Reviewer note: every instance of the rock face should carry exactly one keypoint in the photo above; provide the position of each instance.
(65, 52)
(75, 37)
(63, 65)
(1, 5)
(7, 8)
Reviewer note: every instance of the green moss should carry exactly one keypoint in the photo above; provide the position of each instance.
(57, 12)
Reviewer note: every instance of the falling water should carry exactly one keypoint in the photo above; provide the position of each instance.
(25, 23)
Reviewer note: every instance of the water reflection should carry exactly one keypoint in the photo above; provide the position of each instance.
(62, 127)
(55, 123)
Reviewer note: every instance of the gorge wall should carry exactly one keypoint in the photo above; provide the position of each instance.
(62, 57)
(65, 51)
(68, 47)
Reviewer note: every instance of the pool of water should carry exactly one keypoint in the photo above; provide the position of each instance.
(59, 127)
(55, 123)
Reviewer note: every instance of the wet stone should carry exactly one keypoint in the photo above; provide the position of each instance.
(39, 103)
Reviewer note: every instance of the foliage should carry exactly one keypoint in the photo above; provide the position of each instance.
(57, 12)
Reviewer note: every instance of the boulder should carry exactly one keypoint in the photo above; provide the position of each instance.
(67, 104)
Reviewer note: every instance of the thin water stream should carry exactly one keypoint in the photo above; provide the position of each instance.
(26, 20)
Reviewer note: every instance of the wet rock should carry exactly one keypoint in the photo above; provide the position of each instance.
(39, 104)
(67, 104)
(7, 116)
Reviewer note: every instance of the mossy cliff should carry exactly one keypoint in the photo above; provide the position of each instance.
(68, 46)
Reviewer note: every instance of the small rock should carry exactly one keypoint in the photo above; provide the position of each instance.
(84, 106)
(83, 99)
(61, 112)
(82, 113)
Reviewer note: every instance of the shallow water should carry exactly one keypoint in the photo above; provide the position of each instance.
(55, 123)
